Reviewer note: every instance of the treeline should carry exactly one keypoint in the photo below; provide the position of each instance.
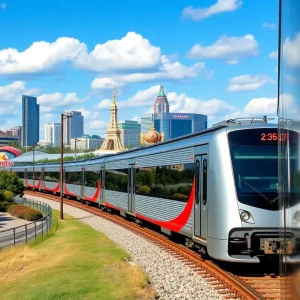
(49, 150)
(68, 158)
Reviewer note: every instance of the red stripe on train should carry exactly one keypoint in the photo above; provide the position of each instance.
(56, 189)
(67, 191)
(111, 206)
(96, 195)
(31, 185)
(179, 222)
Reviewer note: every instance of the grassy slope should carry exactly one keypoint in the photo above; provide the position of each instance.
(76, 262)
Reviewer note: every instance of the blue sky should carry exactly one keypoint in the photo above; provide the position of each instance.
(213, 57)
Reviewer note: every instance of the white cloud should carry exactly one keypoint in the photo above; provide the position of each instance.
(269, 25)
(142, 98)
(40, 56)
(131, 52)
(3, 5)
(206, 107)
(6, 124)
(12, 92)
(59, 99)
(136, 118)
(248, 82)
(8, 111)
(97, 127)
(261, 106)
(167, 71)
(230, 49)
(291, 51)
(221, 6)
(93, 124)
(273, 54)
(45, 109)
(112, 60)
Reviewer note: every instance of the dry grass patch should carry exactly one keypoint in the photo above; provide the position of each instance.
(76, 262)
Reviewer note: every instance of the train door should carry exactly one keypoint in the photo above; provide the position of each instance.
(102, 184)
(131, 189)
(200, 203)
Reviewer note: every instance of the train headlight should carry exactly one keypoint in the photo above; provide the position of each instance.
(296, 216)
(246, 216)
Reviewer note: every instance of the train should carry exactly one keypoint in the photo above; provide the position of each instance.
(217, 188)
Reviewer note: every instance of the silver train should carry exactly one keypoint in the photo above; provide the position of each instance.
(218, 188)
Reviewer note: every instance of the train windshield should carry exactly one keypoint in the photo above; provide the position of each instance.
(254, 154)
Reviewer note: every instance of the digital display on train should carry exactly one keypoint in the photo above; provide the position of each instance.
(268, 136)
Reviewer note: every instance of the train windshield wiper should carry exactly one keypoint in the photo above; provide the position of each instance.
(254, 189)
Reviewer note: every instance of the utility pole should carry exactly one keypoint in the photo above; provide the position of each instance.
(76, 140)
(63, 116)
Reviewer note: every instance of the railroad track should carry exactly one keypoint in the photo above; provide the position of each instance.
(229, 285)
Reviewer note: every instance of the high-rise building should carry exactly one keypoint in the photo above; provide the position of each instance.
(161, 104)
(130, 132)
(30, 121)
(17, 131)
(73, 126)
(87, 142)
(52, 134)
(146, 122)
(174, 125)
(6, 138)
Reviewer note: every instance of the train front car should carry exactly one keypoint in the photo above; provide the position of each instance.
(244, 218)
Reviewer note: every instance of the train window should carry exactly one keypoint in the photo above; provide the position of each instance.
(204, 182)
(37, 175)
(92, 178)
(197, 188)
(52, 176)
(254, 155)
(20, 174)
(73, 177)
(172, 182)
(116, 180)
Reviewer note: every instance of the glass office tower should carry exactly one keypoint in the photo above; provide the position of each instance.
(30, 121)
(174, 125)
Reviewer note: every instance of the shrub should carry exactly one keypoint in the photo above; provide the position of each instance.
(144, 190)
(11, 182)
(180, 196)
(183, 189)
(4, 206)
(8, 196)
(25, 212)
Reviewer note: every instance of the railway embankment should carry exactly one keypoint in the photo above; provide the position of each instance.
(170, 277)
(76, 262)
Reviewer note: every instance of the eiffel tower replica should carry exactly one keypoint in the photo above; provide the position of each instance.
(112, 141)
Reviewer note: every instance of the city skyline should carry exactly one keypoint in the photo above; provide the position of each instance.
(71, 73)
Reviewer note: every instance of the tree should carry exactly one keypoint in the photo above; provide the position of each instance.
(9, 181)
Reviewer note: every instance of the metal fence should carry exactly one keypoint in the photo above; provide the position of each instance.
(29, 231)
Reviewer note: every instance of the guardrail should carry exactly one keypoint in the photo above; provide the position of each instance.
(29, 231)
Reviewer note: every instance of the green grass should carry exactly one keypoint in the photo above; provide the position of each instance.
(75, 262)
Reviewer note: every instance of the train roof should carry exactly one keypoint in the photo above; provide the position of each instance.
(177, 143)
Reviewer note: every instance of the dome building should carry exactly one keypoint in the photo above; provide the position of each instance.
(151, 137)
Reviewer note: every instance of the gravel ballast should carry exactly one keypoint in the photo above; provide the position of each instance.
(170, 278)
